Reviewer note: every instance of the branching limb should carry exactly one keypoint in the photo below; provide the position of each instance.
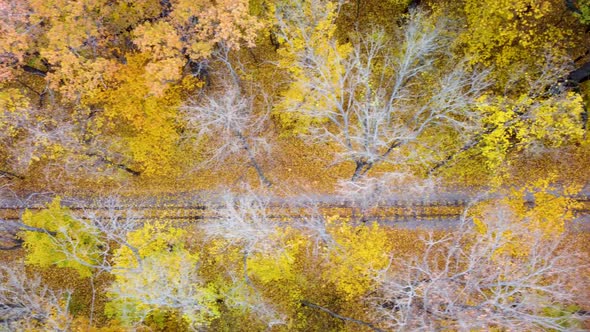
(343, 318)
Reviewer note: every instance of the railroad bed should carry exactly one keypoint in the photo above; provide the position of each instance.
(147, 210)
(441, 214)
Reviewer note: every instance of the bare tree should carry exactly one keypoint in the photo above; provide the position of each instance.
(247, 221)
(28, 135)
(231, 119)
(242, 220)
(382, 94)
(27, 304)
(474, 280)
(369, 192)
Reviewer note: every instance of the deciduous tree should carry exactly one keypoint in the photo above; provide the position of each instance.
(370, 101)
(27, 304)
(234, 117)
(158, 277)
(467, 280)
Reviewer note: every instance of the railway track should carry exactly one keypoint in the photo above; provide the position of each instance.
(439, 214)
(393, 211)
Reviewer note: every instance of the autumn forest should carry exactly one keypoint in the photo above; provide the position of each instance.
(294, 165)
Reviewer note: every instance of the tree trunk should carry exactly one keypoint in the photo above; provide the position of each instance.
(575, 77)
(11, 175)
(258, 169)
(413, 5)
(112, 163)
(473, 142)
(358, 171)
(34, 71)
(580, 75)
(253, 161)
(14, 227)
(338, 316)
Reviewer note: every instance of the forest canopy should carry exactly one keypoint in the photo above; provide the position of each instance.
(286, 165)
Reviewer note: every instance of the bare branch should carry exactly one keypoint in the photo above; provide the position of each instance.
(473, 280)
(27, 304)
(243, 220)
(344, 318)
(229, 118)
(373, 99)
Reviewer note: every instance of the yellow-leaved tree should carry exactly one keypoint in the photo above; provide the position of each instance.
(155, 275)
(376, 96)
(542, 207)
(529, 123)
(355, 257)
(306, 33)
(54, 237)
(515, 37)
(114, 71)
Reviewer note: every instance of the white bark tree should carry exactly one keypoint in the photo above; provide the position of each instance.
(229, 117)
(369, 192)
(153, 271)
(164, 282)
(378, 95)
(242, 220)
(26, 304)
(31, 135)
(84, 239)
(469, 280)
